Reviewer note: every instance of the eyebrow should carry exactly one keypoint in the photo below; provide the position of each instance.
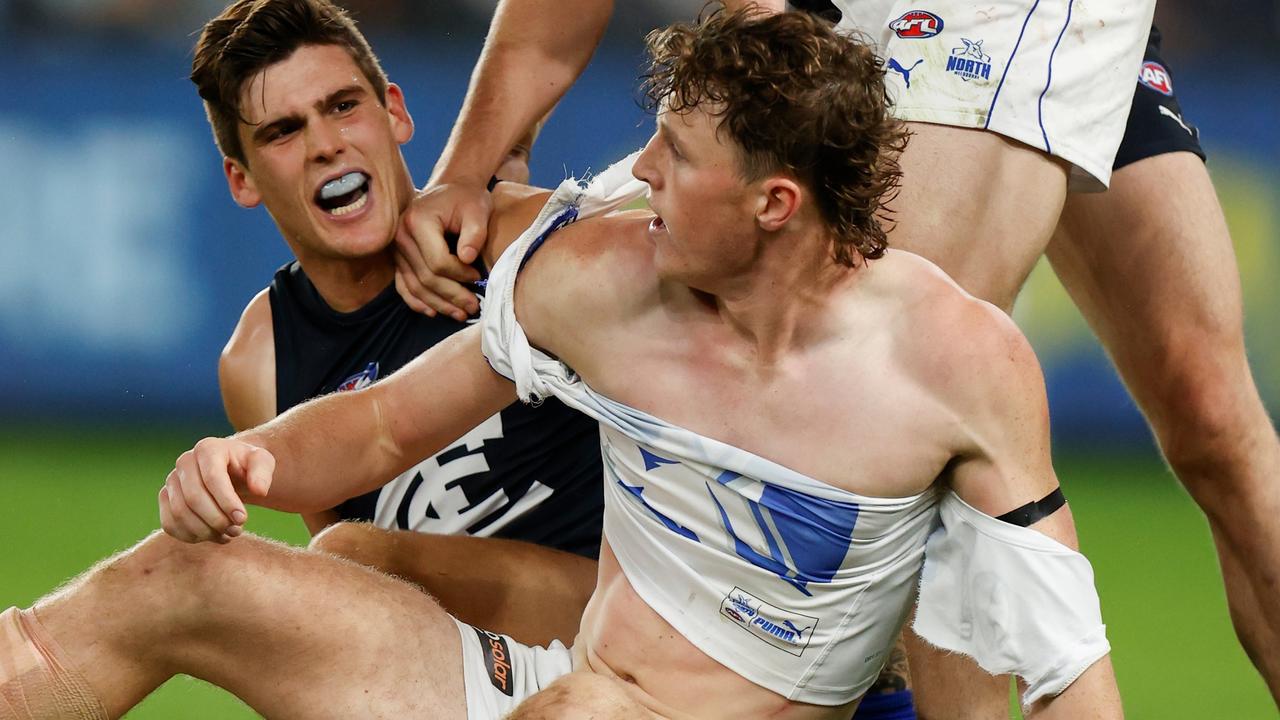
(264, 130)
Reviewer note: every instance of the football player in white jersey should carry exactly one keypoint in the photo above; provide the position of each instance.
(758, 317)
(1010, 104)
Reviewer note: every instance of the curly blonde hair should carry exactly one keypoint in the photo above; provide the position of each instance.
(795, 97)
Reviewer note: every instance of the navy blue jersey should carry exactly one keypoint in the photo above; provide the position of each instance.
(527, 473)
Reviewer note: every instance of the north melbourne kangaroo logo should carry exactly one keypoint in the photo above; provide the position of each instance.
(905, 72)
(969, 61)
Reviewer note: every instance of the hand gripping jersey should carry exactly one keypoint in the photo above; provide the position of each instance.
(526, 473)
(796, 585)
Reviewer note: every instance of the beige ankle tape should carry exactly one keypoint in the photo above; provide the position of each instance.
(37, 681)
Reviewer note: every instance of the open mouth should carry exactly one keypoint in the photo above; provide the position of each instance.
(344, 195)
(657, 224)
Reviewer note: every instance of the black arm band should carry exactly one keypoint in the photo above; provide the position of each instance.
(1033, 511)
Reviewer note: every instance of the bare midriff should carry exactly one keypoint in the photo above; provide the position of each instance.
(622, 637)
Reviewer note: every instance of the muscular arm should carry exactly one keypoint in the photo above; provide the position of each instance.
(1007, 462)
(346, 444)
(999, 393)
(335, 447)
(247, 367)
(534, 52)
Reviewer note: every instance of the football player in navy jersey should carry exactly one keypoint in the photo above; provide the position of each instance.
(324, 160)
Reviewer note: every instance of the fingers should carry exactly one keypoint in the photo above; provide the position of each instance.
(421, 235)
(258, 467)
(418, 296)
(473, 231)
(428, 274)
(199, 503)
(427, 291)
(180, 521)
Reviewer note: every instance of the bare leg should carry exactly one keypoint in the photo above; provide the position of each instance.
(294, 634)
(980, 206)
(983, 208)
(532, 593)
(1151, 265)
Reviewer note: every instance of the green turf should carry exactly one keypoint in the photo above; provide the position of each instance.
(73, 497)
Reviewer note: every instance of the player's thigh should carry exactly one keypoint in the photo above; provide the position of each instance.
(533, 593)
(1151, 265)
(300, 634)
(979, 205)
(1056, 76)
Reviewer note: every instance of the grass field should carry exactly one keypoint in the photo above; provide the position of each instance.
(72, 497)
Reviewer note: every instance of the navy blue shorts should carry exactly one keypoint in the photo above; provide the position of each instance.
(1156, 125)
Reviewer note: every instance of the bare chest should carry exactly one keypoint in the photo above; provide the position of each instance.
(847, 419)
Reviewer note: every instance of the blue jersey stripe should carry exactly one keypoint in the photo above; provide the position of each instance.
(1009, 62)
(1049, 81)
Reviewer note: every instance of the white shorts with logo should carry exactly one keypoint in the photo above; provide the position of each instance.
(499, 673)
(1057, 75)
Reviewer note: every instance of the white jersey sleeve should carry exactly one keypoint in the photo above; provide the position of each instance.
(1015, 600)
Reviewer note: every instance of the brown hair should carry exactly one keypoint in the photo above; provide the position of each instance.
(250, 35)
(796, 97)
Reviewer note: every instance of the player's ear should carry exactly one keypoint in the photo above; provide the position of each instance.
(240, 182)
(401, 121)
(779, 200)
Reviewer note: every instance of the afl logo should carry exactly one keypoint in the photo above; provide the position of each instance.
(917, 24)
(1154, 76)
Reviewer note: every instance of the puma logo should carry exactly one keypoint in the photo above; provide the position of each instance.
(798, 631)
(1169, 113)
(896, 66)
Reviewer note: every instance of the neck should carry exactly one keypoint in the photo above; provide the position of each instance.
(781, 302)
(348, 284)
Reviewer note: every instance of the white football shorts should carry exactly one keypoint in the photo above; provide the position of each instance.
(1057, 75)
(499, 673)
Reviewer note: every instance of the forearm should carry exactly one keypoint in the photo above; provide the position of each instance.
(345, 444)
(326, 451)
(534, 52)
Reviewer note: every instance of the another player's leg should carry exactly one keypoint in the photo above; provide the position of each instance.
(978, 204)
(1151, 265)
(292, 633)
(534, 594)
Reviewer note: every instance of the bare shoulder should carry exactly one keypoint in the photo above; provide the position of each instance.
(963, 346)
(596, 269)
(246, 369)
(515, 207)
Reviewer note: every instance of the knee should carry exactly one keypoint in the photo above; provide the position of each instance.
(167, 579)
(1206, 426)
(359, 542)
